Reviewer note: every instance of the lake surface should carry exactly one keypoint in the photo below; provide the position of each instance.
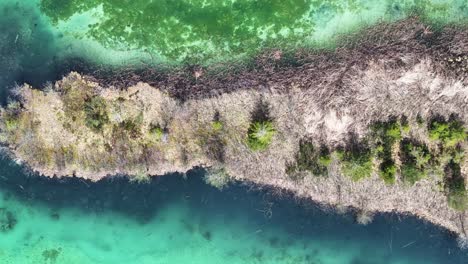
(177, 219)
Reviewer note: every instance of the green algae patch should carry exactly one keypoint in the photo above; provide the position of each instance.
(189, 28)
(51, 255)
(203, 30)
(8, 220)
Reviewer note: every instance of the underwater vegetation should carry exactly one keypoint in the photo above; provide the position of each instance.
(27, 47)
(199, 30)
(8, 220)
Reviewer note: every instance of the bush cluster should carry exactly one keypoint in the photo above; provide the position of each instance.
(449, 133)
(217, 177)
(261, 130)
(385, 135)
(133, 126)
(311, 159)
(356, 161)
(415, 158)
(455, 189)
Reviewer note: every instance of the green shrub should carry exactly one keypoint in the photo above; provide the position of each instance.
(11, 122)
(96, 113)
(455, 189)
(140, 177)
(11, 116)
(450, 133)
(217, 126)
(388, 171)
(156, 132)
(217, 177)
(260, 135)
(356, 163)
(311, 159)
(420, 120)
(212, 139)
(405, 127)
(411, 174)
(133, 126)
(385, 135)
(415, 159)
(325, 159)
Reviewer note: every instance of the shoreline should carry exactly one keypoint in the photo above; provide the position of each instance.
(279, 192)
(276, 69)
(356, 210)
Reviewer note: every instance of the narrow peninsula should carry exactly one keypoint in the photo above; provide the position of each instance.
(378, 124)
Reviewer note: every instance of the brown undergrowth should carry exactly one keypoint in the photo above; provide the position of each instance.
(279, 70)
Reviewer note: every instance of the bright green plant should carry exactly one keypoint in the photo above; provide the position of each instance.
(404, 124)
(217, 126)
(217, 177)
(260, 135)
(356, 164)
(156, 132)
(11, 122)
(387, 171)
(324, 159)
(385, 135)
(11, 116)
(450, 133)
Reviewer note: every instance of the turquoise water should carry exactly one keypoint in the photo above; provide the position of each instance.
(43, 39)
(177, 219)
(182, 220)
(122, 32)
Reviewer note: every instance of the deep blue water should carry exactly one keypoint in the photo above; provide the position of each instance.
(273, 223)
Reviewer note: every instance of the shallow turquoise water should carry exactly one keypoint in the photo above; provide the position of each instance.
(122, 32)
(43, 39)
(177, 220)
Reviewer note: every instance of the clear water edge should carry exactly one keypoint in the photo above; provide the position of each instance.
(177, 220)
